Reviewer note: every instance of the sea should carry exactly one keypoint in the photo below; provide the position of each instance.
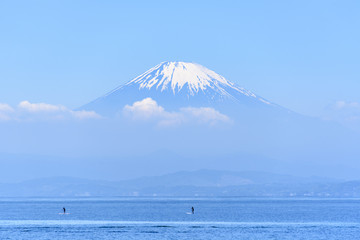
(146, 218)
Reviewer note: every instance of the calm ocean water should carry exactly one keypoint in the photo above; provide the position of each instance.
(167, 218)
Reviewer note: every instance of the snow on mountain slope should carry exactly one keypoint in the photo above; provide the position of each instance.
(189, 77)
(178, 84)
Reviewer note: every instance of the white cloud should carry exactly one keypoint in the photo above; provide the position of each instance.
(5, 112)
(26, 111)
(344, 112)
(41, 107)
(85, 114)
(339, 105)
(4, 117)
(206, 115)
(144, 109)
(148, 109)
(5, 108)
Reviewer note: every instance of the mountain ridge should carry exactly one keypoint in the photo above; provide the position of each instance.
(186, 183)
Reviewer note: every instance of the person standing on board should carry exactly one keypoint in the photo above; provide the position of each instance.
(64, 210)
(192, 210)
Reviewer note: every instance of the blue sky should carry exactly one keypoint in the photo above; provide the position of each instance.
(56, 56)
(303, 55)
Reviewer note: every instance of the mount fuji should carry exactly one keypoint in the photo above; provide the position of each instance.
(240, 131)
(181, 84)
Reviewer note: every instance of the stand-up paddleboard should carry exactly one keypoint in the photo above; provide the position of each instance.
(189, 213)
(61, 213)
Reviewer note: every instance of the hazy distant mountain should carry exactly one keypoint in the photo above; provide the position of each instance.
(196, 183)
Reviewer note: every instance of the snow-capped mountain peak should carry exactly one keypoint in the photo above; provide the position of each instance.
(175, 75)
(178, 84)
(191, 78)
